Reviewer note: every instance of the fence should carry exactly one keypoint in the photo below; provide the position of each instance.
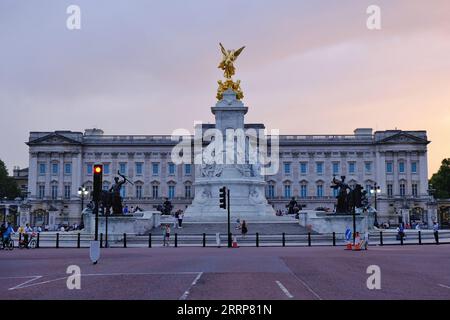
(82, 240)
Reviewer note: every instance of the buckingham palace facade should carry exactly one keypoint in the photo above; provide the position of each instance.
(60, 162)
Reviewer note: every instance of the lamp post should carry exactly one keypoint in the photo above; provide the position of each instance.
(375, 190)
(82, 192)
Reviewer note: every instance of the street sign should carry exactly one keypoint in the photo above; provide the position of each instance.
(348, 234)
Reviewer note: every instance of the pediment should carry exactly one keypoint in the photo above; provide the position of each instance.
(54, 139)
(404, 138)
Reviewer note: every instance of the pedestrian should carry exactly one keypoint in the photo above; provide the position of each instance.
(167, 236)
(177, 216)
(180, 219)
(244, 229)
(238, 224)
(436, 231)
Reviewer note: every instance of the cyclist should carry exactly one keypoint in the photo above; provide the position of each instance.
(26, 235)
(7, 235)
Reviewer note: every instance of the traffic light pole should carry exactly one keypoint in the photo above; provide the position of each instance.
(96, 219)
(229, 226)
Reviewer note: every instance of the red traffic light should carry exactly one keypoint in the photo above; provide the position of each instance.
(98, 169)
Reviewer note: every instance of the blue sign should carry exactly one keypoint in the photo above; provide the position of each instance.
(348, 234)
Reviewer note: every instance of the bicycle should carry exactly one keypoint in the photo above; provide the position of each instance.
(8, 244)
(30, 244)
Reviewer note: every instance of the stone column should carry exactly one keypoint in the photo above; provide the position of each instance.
(61, 176)
(32, 175)
(423, 174)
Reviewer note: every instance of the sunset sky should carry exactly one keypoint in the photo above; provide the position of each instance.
(149, 67)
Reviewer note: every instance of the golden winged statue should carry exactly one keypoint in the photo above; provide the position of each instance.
(229, 56)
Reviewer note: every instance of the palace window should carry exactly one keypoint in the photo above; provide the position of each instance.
(319, 190)
(138, 192)
(287, 168)
(389, 167)
(41, 193)
(187, 191)
(336, 167)
(123, 168)
(414, 167)
(171, 169)
(42, 168)
(287, 190)
(402, 189)
(67, 192)
(123, 192)
(68, 168)
(139, 168)
(270, 191)
(351, 167)
(171, 192)
(319, 167)
(368, 167)
(390, 190)
(54, 192)
(401, 167)
(155, 192)
(303, 167)
(89, 168)
(187, 169)
(106, 168)
(303, 191)
(55, 168)
(155, 168)
(414, 189)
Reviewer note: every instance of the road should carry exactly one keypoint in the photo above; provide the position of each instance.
(409, 272)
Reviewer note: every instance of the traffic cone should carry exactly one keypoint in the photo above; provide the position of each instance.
(357, 246)
(235, 244)
(348, 246)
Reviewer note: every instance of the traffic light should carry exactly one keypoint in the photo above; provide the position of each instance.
(223, 197)
(98, 178)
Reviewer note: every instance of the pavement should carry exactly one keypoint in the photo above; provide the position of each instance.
(408, 272)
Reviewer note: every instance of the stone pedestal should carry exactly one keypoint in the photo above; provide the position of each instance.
(246, 185)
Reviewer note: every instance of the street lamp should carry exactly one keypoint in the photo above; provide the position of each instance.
(82, 192)
(375, 190)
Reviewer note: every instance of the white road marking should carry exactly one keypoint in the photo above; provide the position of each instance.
(22, 285)
(27, 285)
(283, 288)
(186, 293)
(443, 286)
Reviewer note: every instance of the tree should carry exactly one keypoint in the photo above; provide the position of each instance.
(441, 180)
(8, 186)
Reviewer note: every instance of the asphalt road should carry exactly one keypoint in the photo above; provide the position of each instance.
(410, 272)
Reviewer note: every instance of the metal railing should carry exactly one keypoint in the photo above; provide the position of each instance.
(128, 240)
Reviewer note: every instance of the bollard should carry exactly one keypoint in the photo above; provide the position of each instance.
(436, 236)
(20, 238)
(57, 240)
(124, 240)
(176, 239)
(101, 240)
(284, 239)
(381, 238)
(204, 240)
(257, 239)
(79, 240)
(334, 239)
(149, 240)
(37, 240)
(401, 239)
(420, 237)
(309, 239)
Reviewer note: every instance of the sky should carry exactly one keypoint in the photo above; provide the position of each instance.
(150, 67)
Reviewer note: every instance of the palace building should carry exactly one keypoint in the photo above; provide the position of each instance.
(60, 162)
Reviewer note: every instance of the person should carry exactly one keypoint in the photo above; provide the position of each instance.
(176, 222)
(436, 231)
(125, 210)
(167, 235)
(180, 219)
(2, 230)
(400, 232)
(39, 229)
(238, 224)
(26, 234)
(417, 226)
(244, 229)
(6, 234)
